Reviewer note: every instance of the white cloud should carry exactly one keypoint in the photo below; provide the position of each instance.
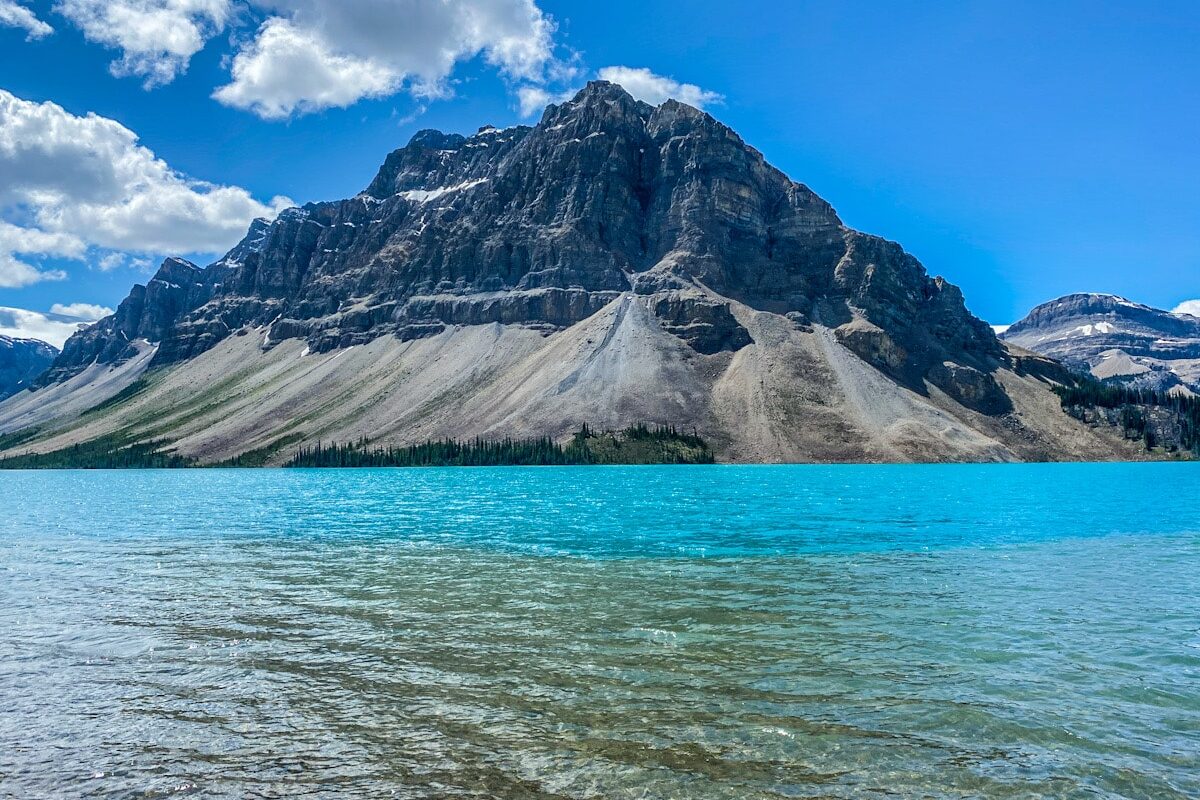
(14, 241)
(15, 15)
(84, 311)
(54, 328)
(15, 273)
(288, 70)
(157, 38)
(309, 55)
(1188, 307)
(111, 261)
(656, 89)
(80, 182)
(999, 329)
(532, 99)
(315, 54)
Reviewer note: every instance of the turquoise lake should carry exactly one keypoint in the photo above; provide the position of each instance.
(602, 632)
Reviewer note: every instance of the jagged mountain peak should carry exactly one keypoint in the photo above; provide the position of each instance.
(600, 108)
(22, 360)
(606, 194)
(174, 270)
(597, 101)
(608, 208)
(431, 139)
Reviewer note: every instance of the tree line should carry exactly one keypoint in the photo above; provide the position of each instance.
(636, 444)
(639, 444)
(1133, 404)
(101, 453)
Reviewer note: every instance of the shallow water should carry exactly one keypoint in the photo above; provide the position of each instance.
(641, 632)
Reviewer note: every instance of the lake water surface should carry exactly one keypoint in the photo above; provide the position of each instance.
(606, 632)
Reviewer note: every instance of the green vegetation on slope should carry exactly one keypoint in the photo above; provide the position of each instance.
(11, 440)
(636, 445)
(260, 456)
(1135, 407)
(132, 390)
(106, 452)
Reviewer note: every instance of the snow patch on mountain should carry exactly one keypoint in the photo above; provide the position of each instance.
(425, 195)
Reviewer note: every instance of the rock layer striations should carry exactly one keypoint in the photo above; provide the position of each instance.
(616, 263)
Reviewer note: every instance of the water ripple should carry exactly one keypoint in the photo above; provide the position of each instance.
(602, 633)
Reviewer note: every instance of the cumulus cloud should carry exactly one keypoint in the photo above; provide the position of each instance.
(309, 55)
(1188, 307)
(656, 89)
(314, 54)
(54, 328)
(15, 15)
(16, 241)
(81, 182)
(288, 70)
(157, 38)
(88, 312)
(15, 273)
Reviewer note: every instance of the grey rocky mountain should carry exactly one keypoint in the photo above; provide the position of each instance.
(544, 227)
(1115, 339)
(21, 362)
(616, 263)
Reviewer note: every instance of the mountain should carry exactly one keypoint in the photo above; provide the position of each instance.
(618, 263)
(1113, 338)
(21, 361)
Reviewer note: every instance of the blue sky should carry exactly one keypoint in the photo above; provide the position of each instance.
(1023, 150)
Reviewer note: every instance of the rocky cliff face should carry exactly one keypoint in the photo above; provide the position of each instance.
(616, 263)
(21, 361)
(1115, 339)
(543, 227)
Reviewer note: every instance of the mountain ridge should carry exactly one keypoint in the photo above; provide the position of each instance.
(541, 287)
(618, 263)
(1115, 339)
(22, 360)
